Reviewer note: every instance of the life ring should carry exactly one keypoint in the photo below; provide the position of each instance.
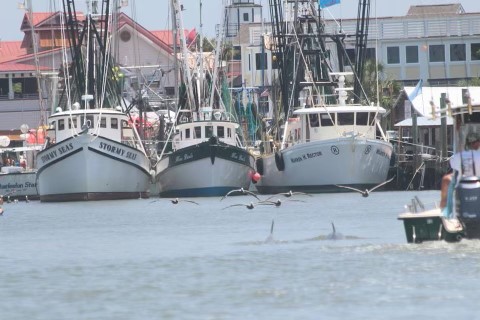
(279, 161)
(259, 165)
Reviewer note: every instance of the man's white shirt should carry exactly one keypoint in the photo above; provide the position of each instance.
(468, 158)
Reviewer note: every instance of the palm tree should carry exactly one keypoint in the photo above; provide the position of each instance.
(388, 89)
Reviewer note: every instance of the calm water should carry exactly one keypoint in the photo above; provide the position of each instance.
(139, 259)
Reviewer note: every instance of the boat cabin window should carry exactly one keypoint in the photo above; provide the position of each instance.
(125, 124)
(326, 121)
(72, 123)
(114, 123)
(208, 131)
(220, 132)
(61, 124)
(314, 122)
(345, 118)
(362, 118)
(103, 122)
(187, 133)
(88, 121)
(229, 132)
(198, 132)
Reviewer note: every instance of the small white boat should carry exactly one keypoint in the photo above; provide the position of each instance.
(19, 181)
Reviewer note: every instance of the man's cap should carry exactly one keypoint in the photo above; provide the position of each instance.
(473, 137)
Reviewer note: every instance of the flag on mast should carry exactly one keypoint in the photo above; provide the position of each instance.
(327, 3)
(416, 91)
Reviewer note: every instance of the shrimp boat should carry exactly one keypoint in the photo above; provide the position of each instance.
(207, 156)
(461, 216)
(326, 140)
(93, 152)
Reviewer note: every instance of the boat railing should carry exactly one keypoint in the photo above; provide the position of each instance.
(407, 150)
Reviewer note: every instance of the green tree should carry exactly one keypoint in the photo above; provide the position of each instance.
(473, 82)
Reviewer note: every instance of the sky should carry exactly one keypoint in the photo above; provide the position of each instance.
(155, 14)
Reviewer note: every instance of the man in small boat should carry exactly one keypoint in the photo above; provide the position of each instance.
(466, 163)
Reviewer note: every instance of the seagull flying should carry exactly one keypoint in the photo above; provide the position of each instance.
(249, 206)
(289, 194)
(241, 191)
(176, 201)
(365, 193)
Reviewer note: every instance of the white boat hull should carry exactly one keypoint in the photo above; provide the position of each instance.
(89, 167)
(318, 166)
(204, 175)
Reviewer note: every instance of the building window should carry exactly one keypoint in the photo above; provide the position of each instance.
(411, 54)
(475, 51)
(393, 55)
(436, 53)
(245, 17)
(351, 55)
(457, 52)
(125, 36)
(371, 54)
(260, 61)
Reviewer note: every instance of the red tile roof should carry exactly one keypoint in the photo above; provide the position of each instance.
(167, 36)
(10, 50)
(17, 67)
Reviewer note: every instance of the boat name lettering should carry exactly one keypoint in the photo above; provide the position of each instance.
(185, 157)
(297, 159)
(112, 149)
(382, 153)
(55, 153)
(306, 156)
(313, 154)
(16, 185)
(118, 151)
(237, 156)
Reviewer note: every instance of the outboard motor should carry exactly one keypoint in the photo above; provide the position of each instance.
(468, 205)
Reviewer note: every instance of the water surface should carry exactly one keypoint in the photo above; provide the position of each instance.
(151, 259)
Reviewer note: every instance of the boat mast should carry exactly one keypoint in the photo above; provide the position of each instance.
(38, 74)
(187, 75)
